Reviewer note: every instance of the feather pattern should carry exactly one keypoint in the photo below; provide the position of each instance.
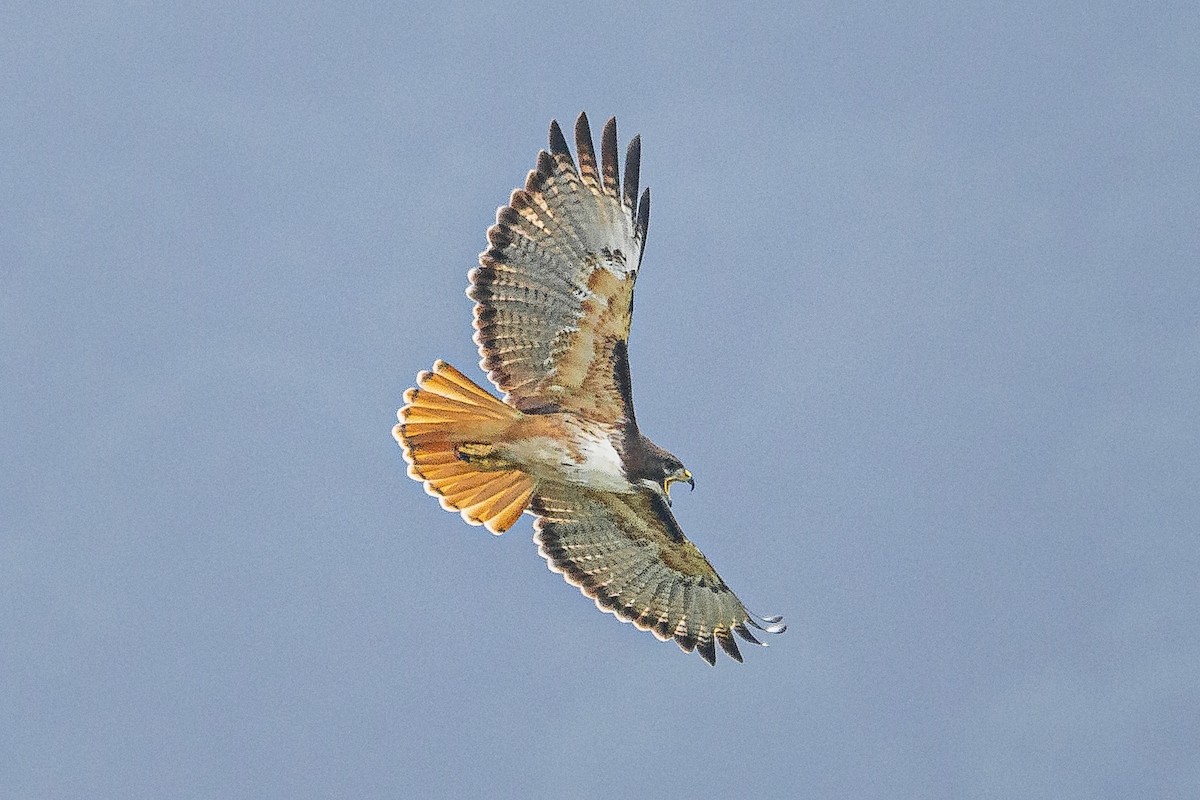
(626, 552)
(553, 299)
(554, 289)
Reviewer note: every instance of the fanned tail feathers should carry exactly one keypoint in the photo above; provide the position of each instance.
(445, 429)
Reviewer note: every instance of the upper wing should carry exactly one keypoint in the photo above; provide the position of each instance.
(554, 289)
(627, 553)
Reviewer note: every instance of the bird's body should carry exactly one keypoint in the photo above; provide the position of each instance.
(554, 300)
(568, 448)
(559, 447)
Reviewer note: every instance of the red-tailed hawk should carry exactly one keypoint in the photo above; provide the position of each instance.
(553, 300)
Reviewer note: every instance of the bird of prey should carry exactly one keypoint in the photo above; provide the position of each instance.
(553, 299)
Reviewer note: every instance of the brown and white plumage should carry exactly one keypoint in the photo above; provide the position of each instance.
(554, 301)
(554, 289)
(626, 552)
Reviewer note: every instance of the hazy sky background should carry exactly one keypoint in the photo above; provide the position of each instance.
(920, 309)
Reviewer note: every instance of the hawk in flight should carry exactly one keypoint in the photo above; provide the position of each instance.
(553, 299)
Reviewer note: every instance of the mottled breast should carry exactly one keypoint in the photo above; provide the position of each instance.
(565, 448)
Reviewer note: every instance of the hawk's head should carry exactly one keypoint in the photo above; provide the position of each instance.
(656, 469)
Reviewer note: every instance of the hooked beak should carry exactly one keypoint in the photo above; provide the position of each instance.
(683, 476)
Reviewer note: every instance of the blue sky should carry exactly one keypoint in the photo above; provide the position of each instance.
(920, 308)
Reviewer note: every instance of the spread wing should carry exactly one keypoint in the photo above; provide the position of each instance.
(554, 289)
(627, 552)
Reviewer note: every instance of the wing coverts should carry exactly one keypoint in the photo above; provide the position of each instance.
(553, 299)
(627, 553)
(554, 289)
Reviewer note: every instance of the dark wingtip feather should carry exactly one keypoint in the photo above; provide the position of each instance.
(583, 129)
(633, 165)
(558, 143)
(545, 165)
(587, 154)
(507, 215)
(499, 237)
(534, 181)
(707, 650)
(608, 158)
(729, 645)
(519, 199)
(745, 633)
(643, 214)
(558, 146)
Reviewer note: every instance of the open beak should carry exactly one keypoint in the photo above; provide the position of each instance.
(680, 477)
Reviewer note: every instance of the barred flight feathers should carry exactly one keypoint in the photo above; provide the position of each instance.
(553, 299)
(627, 553)
(554, 289)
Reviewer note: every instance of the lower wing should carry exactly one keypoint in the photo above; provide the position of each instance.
(627, 552)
